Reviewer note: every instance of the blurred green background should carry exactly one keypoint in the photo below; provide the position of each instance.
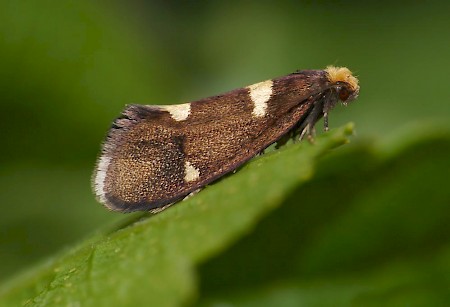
(67, 68)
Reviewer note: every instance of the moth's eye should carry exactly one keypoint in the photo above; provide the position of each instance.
(344, 93)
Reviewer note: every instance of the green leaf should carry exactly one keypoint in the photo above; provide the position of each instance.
(152, 260)
(371, 228)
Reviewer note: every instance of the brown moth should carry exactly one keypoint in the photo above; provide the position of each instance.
(154, 156)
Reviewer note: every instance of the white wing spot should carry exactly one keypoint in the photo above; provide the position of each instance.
(260, 94)
(191, 173)
(178, 112)
(100, 177)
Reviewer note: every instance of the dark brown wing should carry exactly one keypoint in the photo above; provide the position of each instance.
(151, 158)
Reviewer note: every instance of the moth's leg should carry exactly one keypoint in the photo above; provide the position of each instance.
(159, 209)
(307, 127)
(192, 194)
(329, 101)
(325, 121)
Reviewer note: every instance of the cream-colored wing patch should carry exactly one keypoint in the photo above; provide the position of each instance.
(178, 112)
(190, 172)
(260, 94)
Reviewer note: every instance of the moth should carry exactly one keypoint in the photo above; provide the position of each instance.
(155, 155)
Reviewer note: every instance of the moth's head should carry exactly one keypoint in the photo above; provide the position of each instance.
(345, 84)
